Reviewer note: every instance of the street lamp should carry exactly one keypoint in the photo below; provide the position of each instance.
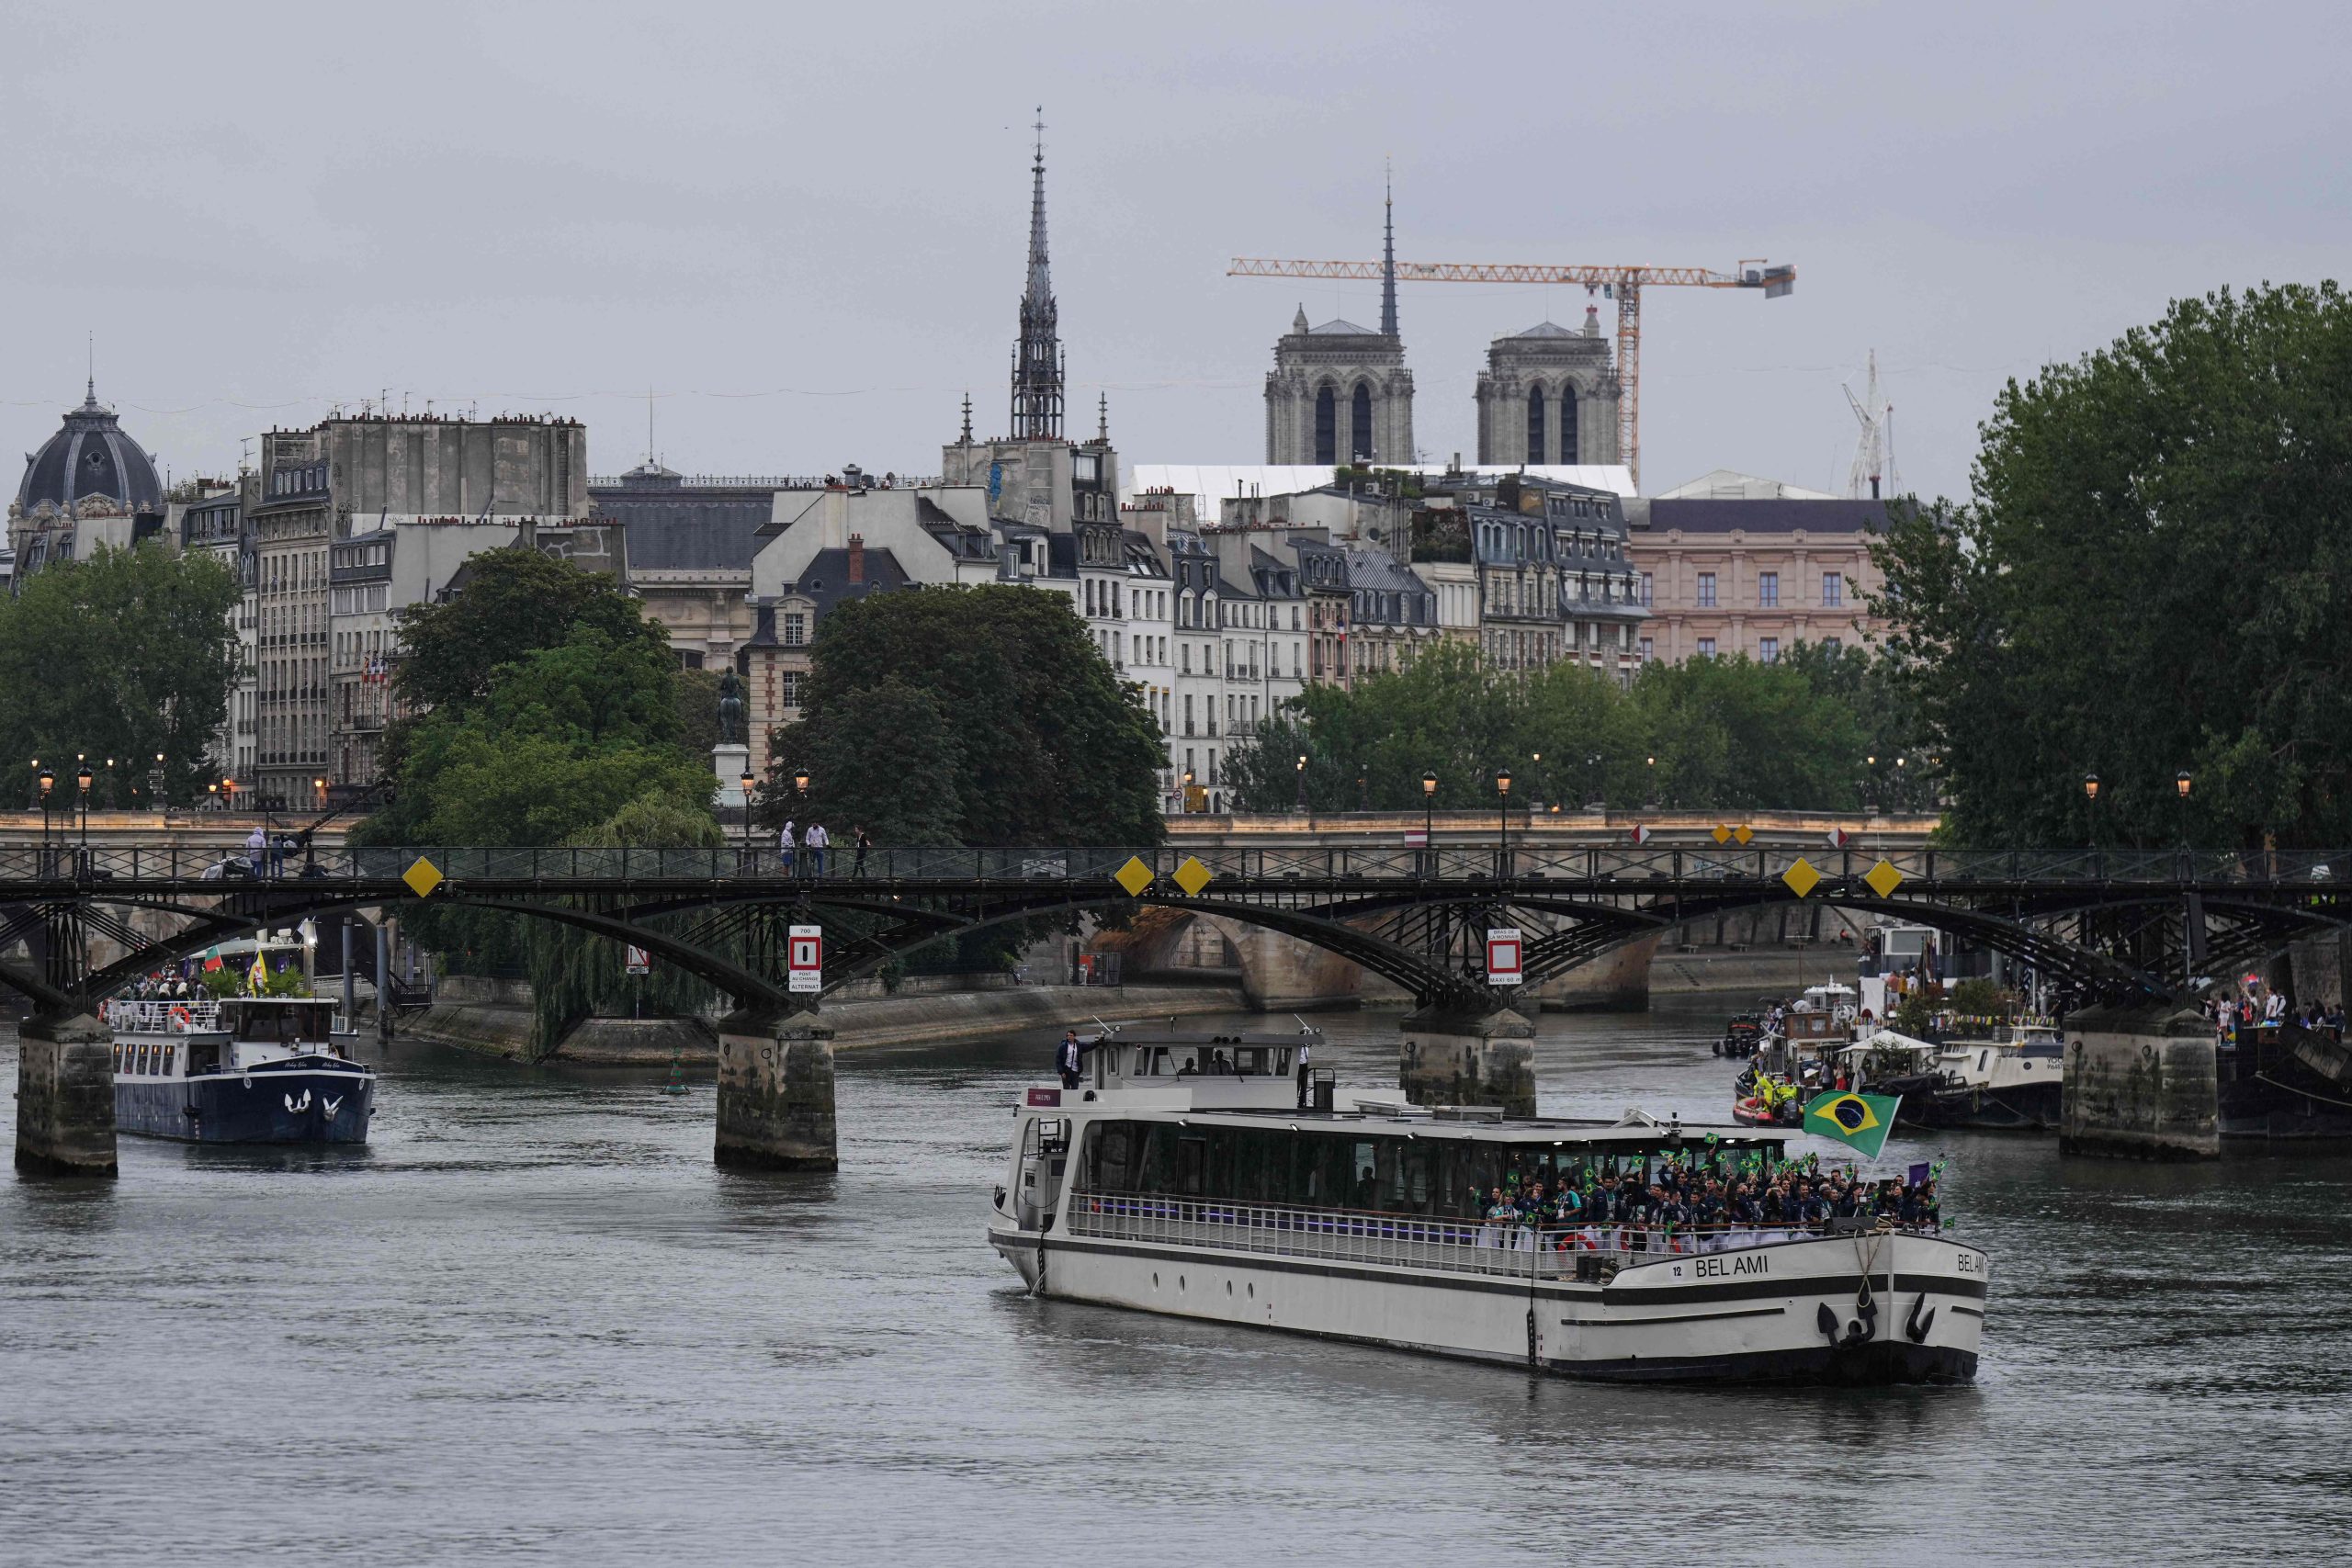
(746, 780)
(2090, 807)
(155, 783)
(800, 780)
(1187, 803)
(82, 778)
(1428, 805)
(48, 780)
(1302, 781)
(318, 792)
(2180, 784)
(1502, 794)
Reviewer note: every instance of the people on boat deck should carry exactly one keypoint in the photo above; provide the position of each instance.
(1069, 1060)
(1678, 1209)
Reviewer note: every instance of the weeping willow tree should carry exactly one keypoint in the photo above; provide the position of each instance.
(577, 974)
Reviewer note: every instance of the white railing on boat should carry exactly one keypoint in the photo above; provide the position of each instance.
(161, 1017)
(1461, 1245)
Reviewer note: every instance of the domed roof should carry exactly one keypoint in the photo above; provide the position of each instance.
(90, 455)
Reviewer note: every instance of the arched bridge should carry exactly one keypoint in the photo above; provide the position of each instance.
(2118, 923)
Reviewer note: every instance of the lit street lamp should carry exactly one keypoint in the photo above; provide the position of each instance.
(1428, 805)
(155, 783)
(1302, 781)
(747, 781)
(48, 781)
(82, 778)
(2090, 807)
(2180, 784)
(1502, 794)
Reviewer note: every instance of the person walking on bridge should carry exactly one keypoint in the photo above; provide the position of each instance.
(787, 844)
(817, 842)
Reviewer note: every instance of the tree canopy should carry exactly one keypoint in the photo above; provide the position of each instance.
(123, 655)
(575, 725)
(513, 600)
(975, 715)
(2150, 580)
(1712, 733)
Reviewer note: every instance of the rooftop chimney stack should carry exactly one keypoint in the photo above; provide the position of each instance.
(857, 557)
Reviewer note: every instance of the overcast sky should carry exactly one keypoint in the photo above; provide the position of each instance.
(802, 227)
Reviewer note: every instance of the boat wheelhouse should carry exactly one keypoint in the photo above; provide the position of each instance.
(241, 1070)
(1216, 1197)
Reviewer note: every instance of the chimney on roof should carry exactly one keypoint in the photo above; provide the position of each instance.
(857, 557)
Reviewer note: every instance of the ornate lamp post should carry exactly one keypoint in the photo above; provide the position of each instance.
(47, 781)
(1302, 782)
(2180, 783)
(155, 785)
(1185, 804)
(1429, 839)
(82, 778)
(2090, 807)
(747, 781)
(1502, 794)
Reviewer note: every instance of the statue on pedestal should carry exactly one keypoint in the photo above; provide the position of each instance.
(731, 709)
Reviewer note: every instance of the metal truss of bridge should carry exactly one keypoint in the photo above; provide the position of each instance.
(2119, 924)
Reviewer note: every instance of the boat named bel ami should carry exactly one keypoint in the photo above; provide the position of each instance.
(243, 1070)
(1183, 1177)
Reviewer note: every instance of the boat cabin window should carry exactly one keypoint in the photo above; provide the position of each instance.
(1386, 1173)
(279, 1024)
(169, 1051)
(203, 1057)
(1213, 1059)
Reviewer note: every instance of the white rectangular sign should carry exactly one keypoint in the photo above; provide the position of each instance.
(1503, 955)
(804, 959)
(639, 960)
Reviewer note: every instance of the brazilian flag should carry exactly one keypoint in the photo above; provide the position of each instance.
(1862, 1120)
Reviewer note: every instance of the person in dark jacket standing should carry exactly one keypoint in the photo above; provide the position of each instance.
(857, 866)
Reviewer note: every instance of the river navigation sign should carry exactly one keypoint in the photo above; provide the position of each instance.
(804, 959)
(639, 960)
(1503, 949)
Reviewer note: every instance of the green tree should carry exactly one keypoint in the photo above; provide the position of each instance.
(125, 655)
(1732, 734)
(515, 600)
(1021, 732)
(2149, 579)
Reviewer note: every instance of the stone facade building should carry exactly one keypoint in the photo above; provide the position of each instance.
(1732, 564)
(690, 546)
(89, 485)
(1549, 395)
(1339, 393)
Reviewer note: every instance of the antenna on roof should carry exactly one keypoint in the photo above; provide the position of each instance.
(649, 427)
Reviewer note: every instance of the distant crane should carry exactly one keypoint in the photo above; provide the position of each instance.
(1874, 454)
(1624, 284)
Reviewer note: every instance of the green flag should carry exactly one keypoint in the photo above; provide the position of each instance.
(1862, 1120)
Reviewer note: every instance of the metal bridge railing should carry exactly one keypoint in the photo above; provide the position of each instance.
(1629, 869)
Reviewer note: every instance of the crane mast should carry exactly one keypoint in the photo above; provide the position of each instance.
(1624, 284)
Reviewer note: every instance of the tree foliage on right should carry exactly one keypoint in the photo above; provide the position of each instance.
(2150, 580)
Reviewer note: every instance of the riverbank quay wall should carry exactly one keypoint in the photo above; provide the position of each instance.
(2141, 1084)
(493, 1018)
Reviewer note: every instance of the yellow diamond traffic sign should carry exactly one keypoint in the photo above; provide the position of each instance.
(1883, 879)
(1135, 876)
(1722, 833)
(1743, 833)
(422, 877)
(1192, 876)
(1801, 877)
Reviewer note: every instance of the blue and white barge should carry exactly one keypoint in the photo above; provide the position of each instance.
(243, 1070)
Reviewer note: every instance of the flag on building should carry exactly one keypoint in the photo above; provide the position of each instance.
(1860, 1120)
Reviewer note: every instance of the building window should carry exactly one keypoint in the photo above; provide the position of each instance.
(795, 629)
(1767, 590)
(1326, 427)
(1360, 422)
(1568, 429)
(1707, 592)
(1535, 425)
(1833, 589)
(792, 679)
(1767, 650)
(1645, 588)
(1648, 649)
(1833, 646)
(1706, 648)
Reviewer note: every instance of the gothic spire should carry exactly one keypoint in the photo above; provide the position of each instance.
(1036, 358)
(1388, 254)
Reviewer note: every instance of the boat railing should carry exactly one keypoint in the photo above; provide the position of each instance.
(1508, 1248)
(156, 1015)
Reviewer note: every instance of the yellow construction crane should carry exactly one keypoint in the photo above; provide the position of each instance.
(1624, 284)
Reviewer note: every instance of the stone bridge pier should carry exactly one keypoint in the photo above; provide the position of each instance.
(64, 1097)
(2141, 1084)
(776, 1091)
(1459, 1055)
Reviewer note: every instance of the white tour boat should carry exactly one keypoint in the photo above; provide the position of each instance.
(1185, 1177)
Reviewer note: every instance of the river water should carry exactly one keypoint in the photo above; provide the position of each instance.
(531, 1324)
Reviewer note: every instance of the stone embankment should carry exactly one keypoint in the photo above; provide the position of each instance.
(494, 1017)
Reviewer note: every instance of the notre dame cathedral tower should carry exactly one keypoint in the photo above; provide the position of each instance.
(1339, 393)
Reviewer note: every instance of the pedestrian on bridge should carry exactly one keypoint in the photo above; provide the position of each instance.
(817, 842)
(857, 867)
(787, 844)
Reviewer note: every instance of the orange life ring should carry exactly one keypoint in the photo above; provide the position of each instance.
(181, 1019)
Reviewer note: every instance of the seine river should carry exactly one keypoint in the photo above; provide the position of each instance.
(531, 1324)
